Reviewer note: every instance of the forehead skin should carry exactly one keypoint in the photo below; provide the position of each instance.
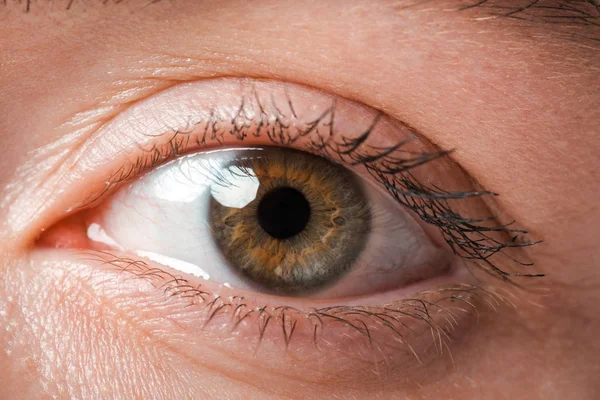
(514, 93)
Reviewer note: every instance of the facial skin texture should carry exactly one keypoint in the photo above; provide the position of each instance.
(516, 97)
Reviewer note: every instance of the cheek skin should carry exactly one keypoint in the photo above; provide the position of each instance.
(66, 341)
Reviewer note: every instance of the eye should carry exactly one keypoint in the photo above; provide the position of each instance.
(270, 219)
(333, 223)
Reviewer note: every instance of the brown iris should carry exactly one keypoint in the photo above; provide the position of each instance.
(305, 227)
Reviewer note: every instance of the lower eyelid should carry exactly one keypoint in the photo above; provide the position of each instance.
(410, 331)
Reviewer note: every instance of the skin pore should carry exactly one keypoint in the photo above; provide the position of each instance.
(512, 88)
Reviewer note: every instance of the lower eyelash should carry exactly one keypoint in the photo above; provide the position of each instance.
(433, 311)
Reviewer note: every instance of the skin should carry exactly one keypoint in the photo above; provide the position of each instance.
(517, 99)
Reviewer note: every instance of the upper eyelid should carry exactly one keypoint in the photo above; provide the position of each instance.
(83, 131)
(169, 138)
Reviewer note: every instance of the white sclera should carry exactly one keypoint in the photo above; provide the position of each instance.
(163, 216)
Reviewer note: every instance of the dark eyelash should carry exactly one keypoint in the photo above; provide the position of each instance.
(469, 238)
(435, 311)
(563, 12)
(584, 14)
(477, 239)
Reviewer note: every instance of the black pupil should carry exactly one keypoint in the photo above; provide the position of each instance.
(283, 212)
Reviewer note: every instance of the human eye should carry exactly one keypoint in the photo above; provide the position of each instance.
(280, 216)
(278, 220)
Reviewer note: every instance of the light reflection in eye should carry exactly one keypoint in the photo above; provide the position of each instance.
(240, 190)
(179, 265)
(237, 189)
(199, 214)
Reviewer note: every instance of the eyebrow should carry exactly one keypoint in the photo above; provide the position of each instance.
(551, 11)
(574, 13)
(583, 14)
(563, 9)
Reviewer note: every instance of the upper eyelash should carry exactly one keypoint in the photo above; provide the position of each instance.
(391, 166)
(467, 237)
